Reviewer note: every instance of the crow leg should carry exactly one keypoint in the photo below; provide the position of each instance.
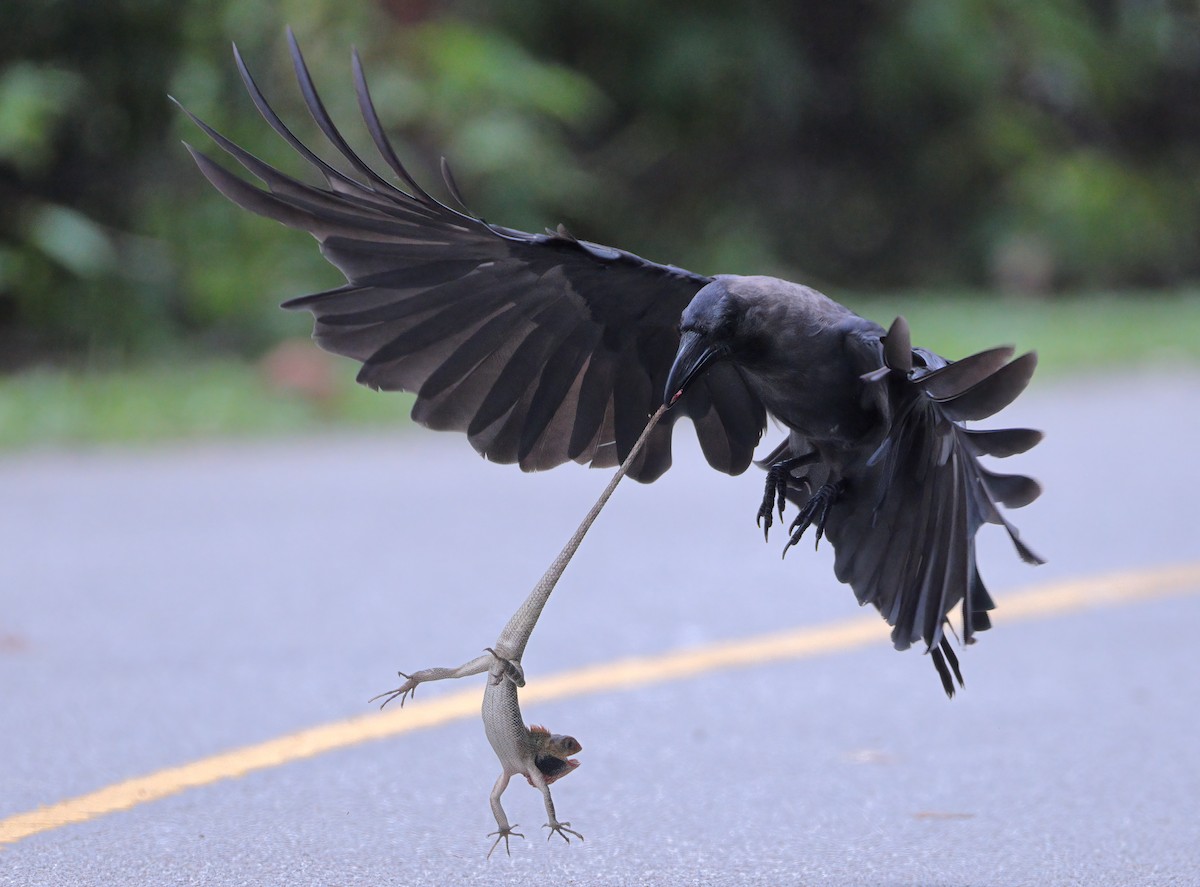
(778, 477)
(814, 513)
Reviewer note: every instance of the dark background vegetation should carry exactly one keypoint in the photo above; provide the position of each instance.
(1040, 146)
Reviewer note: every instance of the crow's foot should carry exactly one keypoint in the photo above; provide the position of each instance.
(814, 513)
(778, 477)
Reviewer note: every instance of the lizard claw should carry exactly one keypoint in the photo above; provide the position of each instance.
(409, 687)
(561, 828)
(503, 835)
(512, 669)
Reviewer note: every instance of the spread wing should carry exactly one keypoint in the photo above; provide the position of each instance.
(904, 522)
(905, 535)
(542, 348)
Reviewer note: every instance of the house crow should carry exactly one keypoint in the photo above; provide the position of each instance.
(544, 348)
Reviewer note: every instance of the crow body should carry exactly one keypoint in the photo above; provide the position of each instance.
(543, 349)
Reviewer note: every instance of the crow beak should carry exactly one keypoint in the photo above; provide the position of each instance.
(693, 356)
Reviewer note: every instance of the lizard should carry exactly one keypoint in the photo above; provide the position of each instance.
(534, 752)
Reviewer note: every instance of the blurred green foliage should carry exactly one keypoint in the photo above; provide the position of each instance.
(164, 399)
(1034, 145)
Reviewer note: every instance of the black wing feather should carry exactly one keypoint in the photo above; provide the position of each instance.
(541, 348)
(904, 528)
(558, 376)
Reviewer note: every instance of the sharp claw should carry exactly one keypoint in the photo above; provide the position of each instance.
(779, 478)
(561, 828)
(503, 835)
(763, 519)
(813, 514)
(392, 694)
(766, 527)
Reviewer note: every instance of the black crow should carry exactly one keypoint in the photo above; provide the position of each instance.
(545, 348)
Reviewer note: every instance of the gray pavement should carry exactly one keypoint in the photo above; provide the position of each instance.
(163, 605)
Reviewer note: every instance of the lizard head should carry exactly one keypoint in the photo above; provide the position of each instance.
(553, 754)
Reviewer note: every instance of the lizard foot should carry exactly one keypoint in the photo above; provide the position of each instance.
(778, 477)
(561, 828)
(814, 513)
(503, 835)
(512, 669)
(409, 687)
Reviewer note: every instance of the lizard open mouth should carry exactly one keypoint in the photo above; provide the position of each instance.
(554, 768)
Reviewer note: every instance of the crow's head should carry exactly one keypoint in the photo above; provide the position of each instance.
(718, 324)
(706, 334)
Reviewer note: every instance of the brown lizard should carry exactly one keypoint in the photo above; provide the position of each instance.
(534, 752)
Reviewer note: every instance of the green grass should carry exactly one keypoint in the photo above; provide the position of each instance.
(223, 398)
(1071, 335)
(160, 402)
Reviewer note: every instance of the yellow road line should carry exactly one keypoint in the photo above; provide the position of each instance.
(1043, 601)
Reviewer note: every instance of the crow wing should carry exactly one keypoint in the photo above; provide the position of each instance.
(904, 536)
(542, 348)
(903, 526)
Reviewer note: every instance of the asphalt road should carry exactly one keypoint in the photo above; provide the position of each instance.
(158, 607)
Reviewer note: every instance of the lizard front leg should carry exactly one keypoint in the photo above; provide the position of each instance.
(561, 828)
(505, 830)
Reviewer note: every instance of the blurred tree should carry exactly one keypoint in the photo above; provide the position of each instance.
(77, 114)
(1037, 144)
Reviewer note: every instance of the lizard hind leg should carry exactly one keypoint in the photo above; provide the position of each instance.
(512, 669)
(403, 692)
